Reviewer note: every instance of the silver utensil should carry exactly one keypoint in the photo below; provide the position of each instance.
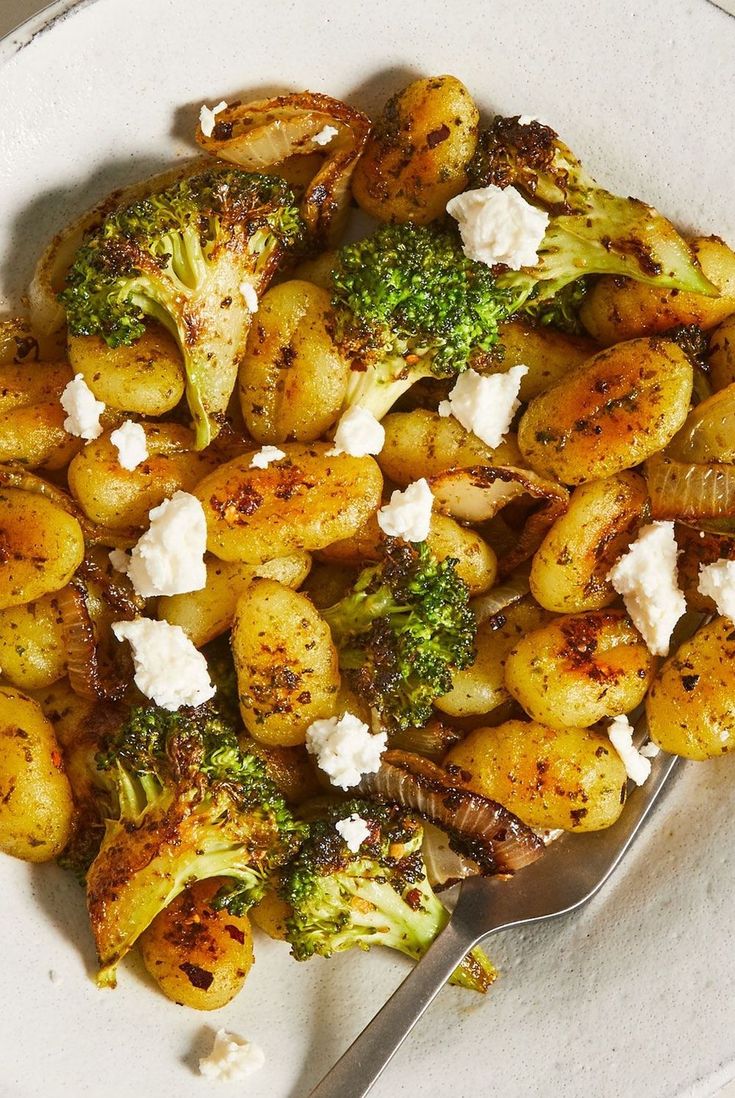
(571, 872)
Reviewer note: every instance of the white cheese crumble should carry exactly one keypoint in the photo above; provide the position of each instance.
(82, 408)
(325, 136)
(408, 515)
(717, 582)
(354, 831)
(527, 119)
(485, 405)
(649, 750)
(131, 444)
(646, 578)
(345, 748)
(497, 225)
(232, 1058)
(250, 297)
(169, 558)
(358, 433)
(208, 117)
(265, 455)
(168, 668)
(620, 732)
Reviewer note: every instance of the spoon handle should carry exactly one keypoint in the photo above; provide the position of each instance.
(355, 1072)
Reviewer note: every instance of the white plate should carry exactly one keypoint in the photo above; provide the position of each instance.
(632, 997)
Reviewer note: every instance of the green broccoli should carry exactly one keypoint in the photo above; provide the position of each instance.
(591, 231)
(190, 805)
(377, 896)
(183, 257)
(402, 630)
(562, 309)
(409, 304)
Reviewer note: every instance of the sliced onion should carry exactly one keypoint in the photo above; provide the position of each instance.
(708, 434)
(485, 831)
(478, 493)
(689, 491)
(47, 315)
(505, 594)
(83, 665)
(444, 867)
(260, 135)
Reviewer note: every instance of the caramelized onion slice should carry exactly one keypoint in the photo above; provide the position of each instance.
(260, 135)
(708, 434)
(86, 676)
(515, 588)
(480, 828)
(478, 493)
(444, 866)
(690, 491)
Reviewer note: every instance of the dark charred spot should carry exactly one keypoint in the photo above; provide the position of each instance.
(578, 814)
(689, 682)
(222, 130)
(437, 136)
(235, 933)
(197, 977)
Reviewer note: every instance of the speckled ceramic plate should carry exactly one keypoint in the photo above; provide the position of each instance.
(633, 996)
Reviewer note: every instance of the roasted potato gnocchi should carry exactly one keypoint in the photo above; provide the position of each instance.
(610, 414)
(41, 546)
(691, 705)
(417, 155)
(35, 797)
(287, 667)
(198, 954)
(293, 378)
(579, 669)
(570, 778)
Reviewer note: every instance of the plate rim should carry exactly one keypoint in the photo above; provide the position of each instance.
(28, 30)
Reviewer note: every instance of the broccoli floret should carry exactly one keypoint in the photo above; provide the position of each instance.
(409, 304)
(591, 231)
(402, 630)
(190, 805)
(181, 257)
(562, 310)
(377, 896)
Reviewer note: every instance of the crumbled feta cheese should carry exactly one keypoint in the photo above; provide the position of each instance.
(168, 668)
(354, 831)
(649, 750)
(169, 558)
(358, 433)
(408, 515)
(232, 1058)
(345, 748)
(526, 119)
(620, 732)
(131, 443)
(82, 409)
(646, 578)
(250, 297)
(497, 225)
(717, 582)
(265, 455)
(325, 136)
(119, 560)
(208, 117)
(485, 405)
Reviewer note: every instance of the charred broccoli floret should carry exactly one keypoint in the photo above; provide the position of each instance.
(590, 231)
(186, 257)
(402, 630)
(190, 805)
(377, 896)
(409, 304)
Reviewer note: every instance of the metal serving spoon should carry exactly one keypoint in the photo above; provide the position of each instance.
(571, 872)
